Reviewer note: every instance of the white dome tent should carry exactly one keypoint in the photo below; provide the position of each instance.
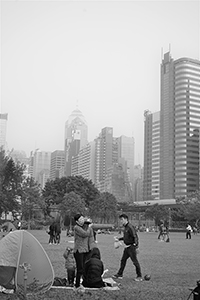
(24, 264)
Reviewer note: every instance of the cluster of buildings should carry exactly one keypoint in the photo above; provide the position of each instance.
(107, 160)
(171, 145)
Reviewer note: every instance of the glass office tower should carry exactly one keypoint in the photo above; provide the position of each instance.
(179, 126)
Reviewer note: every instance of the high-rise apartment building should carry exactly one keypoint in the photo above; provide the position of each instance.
(83, 164)
(126, 150)
(41, 166)
(179, 126)
(138, 183)
(151, 183)
(114, 163)
(57, 163)
(116, 182)
(76, 132)
(103, 155)
(3, 128)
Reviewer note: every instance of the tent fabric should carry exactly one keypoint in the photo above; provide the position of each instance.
(21, 247)
(9, 249)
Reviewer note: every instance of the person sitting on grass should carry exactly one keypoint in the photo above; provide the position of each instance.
(93, 270)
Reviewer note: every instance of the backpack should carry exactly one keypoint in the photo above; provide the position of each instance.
(60, 281)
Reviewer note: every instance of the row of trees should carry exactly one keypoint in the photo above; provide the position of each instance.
(18, 193)
(187, 211)
(21, 194)
(76, 194)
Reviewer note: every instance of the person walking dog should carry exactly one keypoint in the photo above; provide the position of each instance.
(131, 242)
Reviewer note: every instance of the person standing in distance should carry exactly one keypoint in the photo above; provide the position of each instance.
(131, 242)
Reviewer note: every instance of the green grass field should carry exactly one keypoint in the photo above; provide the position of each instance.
(174, 268)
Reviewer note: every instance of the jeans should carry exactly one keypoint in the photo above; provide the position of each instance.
(80, 260)
(188, 235)
(130, 252)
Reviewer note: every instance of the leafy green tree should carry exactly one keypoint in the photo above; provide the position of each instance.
(30, 199)
(104, 207)
(190, 207)
(72, 204)
(11, 179)
(55, 190)
(83, 187)
(157, 213)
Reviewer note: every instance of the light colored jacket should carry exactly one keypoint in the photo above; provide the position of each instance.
(81, 239)
(70, 262)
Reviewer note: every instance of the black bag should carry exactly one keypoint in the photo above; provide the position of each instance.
(60, 281)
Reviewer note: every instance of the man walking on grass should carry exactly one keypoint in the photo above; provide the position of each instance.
(131, 242)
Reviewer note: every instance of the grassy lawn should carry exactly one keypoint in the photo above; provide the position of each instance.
(174, 268)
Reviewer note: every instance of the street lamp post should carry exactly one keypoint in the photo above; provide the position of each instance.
(169, 217)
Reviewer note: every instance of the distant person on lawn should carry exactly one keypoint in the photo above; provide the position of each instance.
(188, 231)
(81, 247)
(161, 231)
(131, 242)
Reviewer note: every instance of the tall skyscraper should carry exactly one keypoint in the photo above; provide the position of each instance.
(3, 128)
(76, 133)
(103, 155)
(116, 182)
(126, 150)
(41, 166)
(83, 163)
(57, 163)
(138, 183)
(151, 183)
(179, 126)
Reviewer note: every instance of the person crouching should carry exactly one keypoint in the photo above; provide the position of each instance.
(93, 270)
(70, 265)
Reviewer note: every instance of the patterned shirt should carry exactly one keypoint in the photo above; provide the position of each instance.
(81, 239)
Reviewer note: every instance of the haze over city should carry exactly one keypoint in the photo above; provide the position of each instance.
(103, 56)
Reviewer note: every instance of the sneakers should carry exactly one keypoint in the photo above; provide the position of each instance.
(138, 279)
(117, 276)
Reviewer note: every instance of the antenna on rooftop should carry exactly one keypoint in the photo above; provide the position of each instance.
(77, 104)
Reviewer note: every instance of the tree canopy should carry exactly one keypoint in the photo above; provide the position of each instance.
(190, 207)
(157, 213)
(72, 204)
(105, 207)
(30, 198)
(55, 190)
(11, 179)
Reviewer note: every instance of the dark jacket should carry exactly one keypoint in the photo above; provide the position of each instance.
(93, 270)
(130, 235)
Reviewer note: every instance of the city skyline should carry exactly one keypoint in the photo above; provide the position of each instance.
(105, 55)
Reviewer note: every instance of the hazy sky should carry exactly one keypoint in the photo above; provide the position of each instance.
(105, 54)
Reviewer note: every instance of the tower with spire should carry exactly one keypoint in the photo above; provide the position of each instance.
(76, 134)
